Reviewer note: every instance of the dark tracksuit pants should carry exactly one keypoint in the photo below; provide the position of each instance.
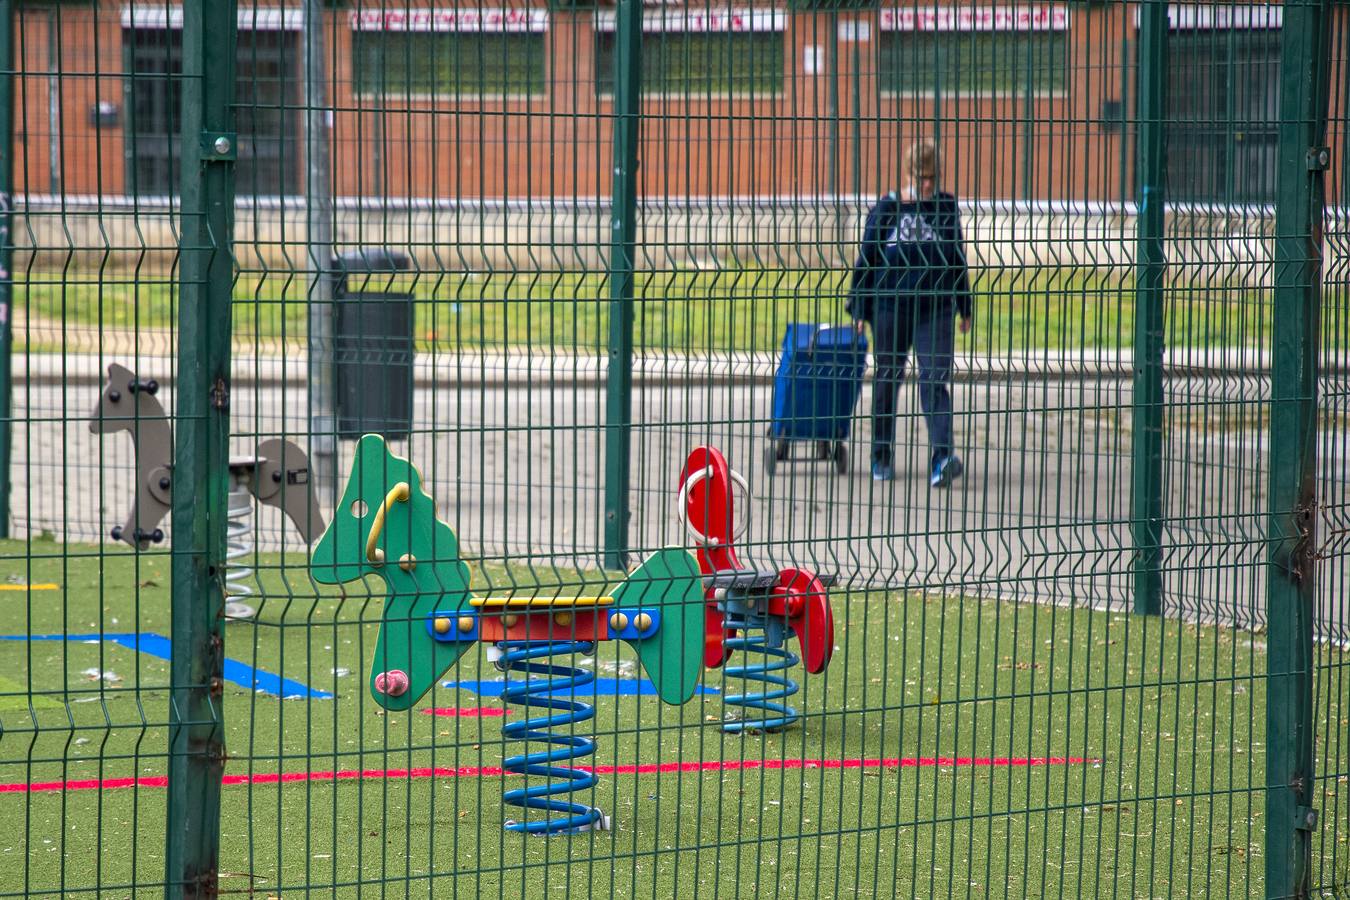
(929, 328)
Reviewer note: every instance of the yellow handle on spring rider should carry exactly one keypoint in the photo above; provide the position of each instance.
(399, 493)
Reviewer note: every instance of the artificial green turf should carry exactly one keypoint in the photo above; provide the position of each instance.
(14, 697)
(1172, 715)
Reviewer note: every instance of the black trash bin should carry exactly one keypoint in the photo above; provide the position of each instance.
(372, 345)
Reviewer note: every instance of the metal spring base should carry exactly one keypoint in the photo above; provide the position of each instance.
(560, 779)
(760, 711)
(238, 548)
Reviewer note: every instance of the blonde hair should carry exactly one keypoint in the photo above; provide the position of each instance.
(922, 160)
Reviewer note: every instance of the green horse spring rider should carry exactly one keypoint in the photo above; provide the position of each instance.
(385, 525)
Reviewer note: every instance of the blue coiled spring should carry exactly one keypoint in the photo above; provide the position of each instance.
(535, 692)
(760, 711)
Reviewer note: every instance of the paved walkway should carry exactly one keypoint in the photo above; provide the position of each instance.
(80, 354)
(516, 467)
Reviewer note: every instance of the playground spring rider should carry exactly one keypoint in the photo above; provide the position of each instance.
(277, 475)
(385, 525)
(743, 601)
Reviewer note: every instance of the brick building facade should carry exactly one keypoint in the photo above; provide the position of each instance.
(1031, 102)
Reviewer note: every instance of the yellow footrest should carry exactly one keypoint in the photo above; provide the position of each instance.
(539, 602)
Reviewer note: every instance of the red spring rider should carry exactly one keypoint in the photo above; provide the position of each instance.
(750, 609)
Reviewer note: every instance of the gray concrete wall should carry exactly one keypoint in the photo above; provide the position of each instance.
(1220, 247)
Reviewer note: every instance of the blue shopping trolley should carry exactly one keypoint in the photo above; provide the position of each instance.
(815, 391)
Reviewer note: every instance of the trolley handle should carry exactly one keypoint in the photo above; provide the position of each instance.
(815, 337)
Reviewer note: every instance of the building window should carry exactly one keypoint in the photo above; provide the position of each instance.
(974, 50)
(700, 53)
(454, 52)
(1223, 110)
(267, 97)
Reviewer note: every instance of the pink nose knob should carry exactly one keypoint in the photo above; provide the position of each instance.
(393, 683)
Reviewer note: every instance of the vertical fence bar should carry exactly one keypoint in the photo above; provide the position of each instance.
(7, 76)
(832, 103)
(622, 254)
(55, 181)
(196, 726)
(1146, 506)
(1291, 595)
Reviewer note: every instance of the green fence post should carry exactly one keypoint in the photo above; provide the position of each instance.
(1291, 531)
(7, 75)
(1146, 506)
(622, 253)
(196, 724)
(319, 242)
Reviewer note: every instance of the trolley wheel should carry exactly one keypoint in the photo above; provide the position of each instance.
(770, 458)
(824, 450)
(784, 449)
(841, 458)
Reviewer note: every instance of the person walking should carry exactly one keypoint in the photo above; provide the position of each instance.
(909, 283)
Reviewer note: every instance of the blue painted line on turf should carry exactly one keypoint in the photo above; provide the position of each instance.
(603, 687)
(158, 646)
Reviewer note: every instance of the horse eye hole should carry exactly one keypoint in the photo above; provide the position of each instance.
(359, 509)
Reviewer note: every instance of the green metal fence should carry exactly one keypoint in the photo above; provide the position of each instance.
(548, 251)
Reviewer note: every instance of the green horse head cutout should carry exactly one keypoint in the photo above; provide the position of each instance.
(386, 525)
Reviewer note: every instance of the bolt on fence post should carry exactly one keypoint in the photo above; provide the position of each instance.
(1146, 503)
(201, 464)
(7, 70)
(1291, 529)
(622, 253)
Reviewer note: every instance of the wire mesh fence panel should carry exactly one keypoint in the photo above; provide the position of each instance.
(84, 645)
(1331, 762)
(679, 449)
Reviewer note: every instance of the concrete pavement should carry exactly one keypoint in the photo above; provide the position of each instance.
(517, 467)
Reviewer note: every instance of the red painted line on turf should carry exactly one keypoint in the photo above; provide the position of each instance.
(466, 711)
(732, 765)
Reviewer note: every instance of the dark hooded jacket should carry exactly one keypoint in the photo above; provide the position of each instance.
(912, 254)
